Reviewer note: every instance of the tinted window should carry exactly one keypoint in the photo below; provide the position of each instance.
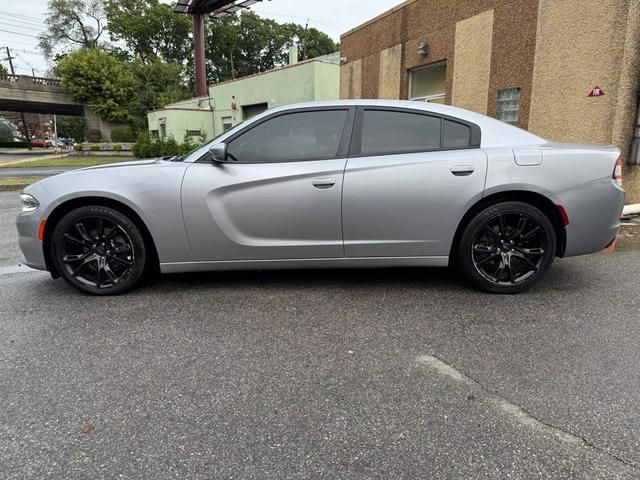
(291, 137)
(385, 132)
(456, 135)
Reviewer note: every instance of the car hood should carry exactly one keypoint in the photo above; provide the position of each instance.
(135, 163)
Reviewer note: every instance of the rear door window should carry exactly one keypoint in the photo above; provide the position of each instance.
(387, 132)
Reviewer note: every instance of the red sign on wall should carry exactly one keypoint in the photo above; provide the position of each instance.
(596, 92)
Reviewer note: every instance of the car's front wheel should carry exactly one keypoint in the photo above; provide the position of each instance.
(507, 247)
(98, 250)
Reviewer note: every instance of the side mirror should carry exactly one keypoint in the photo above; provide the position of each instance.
(219, 152)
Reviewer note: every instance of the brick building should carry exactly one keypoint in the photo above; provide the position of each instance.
(532, 63)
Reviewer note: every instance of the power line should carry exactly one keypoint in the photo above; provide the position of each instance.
(26, 17)
(20, 20)
(314, 20)
(18, 33)
(13, 25)
(18, 42)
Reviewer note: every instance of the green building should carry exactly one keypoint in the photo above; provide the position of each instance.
(232, 102)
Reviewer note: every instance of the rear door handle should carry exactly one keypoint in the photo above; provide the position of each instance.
(462, 170)
(323, 183)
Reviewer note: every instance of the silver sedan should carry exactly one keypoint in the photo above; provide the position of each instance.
(334, 184)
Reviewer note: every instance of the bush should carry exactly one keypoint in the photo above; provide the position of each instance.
(6, 135)
(145, 147)
(117, 147)
(94, 148)
(94, 135)
(78, 147)
(122, 133)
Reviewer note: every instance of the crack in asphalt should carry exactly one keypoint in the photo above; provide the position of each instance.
(522, 415)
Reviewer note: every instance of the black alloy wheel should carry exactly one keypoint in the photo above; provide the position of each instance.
(508, 247)
(98, 250)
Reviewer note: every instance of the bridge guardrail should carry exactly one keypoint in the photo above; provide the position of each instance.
(31, 83)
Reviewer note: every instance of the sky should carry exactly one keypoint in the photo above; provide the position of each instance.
(21, 21)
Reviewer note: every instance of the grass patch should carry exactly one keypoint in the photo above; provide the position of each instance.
(70, 161)
(16, 183)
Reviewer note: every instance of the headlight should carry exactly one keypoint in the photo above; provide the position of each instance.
(29, 203)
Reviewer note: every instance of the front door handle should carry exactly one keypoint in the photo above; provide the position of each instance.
(462, 170)
(323, 183)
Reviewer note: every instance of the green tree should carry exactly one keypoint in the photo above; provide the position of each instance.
(312, 42)
(149, 30)
(72, 24)
(6, 134)
(245, 44)
(155, 85)
(3, 70)
(72, 127)
(100, 80)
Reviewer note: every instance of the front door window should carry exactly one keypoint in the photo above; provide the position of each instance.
(291, 137)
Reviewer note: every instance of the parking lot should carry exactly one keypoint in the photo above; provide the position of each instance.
(401, 373)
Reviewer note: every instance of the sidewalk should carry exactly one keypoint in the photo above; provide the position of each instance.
(15, 157)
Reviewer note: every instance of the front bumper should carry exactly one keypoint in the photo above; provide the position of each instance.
(594, 210)
(28, 225)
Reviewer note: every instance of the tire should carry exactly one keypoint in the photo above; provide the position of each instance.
(99, 250)
(507, 248)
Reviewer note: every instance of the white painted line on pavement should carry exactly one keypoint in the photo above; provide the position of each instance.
(517, 413)
(13, 269)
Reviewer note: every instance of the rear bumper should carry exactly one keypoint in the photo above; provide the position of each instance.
(594, 210)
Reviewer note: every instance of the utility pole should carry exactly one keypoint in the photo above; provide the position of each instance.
(306, 41)
(25, 127)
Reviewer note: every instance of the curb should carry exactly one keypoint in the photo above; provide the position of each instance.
(633, 209)
(13, 188)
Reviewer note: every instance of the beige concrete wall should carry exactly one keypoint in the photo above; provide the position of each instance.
(574, 38)
(583, 44)
(390, 74)
(351, 80)
(472, 67)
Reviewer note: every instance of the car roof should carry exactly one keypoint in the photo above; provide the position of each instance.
(494, 132)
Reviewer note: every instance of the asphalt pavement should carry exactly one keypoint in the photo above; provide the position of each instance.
(400, 373)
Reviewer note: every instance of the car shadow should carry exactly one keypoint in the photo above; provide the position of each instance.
(311, 278)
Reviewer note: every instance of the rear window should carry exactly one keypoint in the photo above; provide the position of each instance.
(456, 135)
(388, 132)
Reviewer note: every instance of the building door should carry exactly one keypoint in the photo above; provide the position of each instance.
(250, 111)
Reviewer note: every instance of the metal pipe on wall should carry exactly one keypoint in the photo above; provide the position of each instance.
(634, 157)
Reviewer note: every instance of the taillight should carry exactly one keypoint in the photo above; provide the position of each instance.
(617, 172)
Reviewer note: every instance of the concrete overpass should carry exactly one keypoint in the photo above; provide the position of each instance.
(22, 93)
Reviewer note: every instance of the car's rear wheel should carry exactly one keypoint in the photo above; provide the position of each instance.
(507, 247)
(98, 250)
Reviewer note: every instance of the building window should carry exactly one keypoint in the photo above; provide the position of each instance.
(508, 106)
(427, 84)
(194, 133)
(154, 134)
(227, 124)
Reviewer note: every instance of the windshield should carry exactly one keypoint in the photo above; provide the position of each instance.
(199, 152)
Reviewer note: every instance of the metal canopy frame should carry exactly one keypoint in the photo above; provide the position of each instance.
(217, 8)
